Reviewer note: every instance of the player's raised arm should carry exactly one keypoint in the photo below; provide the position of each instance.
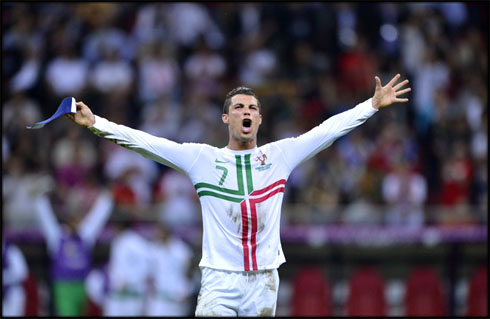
(83, 116)
(389, 94)
(180, 156)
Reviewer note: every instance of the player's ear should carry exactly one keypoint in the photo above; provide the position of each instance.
(224, 118)
(260, 119)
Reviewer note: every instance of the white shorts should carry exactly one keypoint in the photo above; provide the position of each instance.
(237, 293)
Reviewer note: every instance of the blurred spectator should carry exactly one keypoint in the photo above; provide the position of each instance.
(18, 191)
(112, 73)
(249, 14)
(457, 172)
(14, 273)
(23, 43)
(198, 23)
(73, 158)
(151, 24)
(347, 20)
(176, 200)
(413, 44)
(307, 65)
(162, 117)
(104, 34)
(169, 275)
(128, 271)
(67, 73)
(405, 191)
(200, 126)
(259, 64)
(137, 172)
(354, 151)
(431, 75)
(393, 144)
(125, 196)
(455, 13)
(362, 211)
(356, 68)
(19, 111)
(30, 72)
(205, 70)
(70, 248)
(158, 72)
(326, 199)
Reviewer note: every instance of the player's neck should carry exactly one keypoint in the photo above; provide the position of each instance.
(235, 145)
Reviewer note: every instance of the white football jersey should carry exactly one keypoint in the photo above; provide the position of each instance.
(240, 192)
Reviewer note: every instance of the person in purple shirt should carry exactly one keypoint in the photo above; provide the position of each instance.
(70, 248)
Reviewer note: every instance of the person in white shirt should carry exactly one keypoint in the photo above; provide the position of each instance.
(14, 273)
(169, 274)
(177, 194)
(127, 271)
(240, 188)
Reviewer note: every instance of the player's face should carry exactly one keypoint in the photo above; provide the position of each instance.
(243, 119)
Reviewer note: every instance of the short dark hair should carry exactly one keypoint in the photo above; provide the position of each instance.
(238, 90)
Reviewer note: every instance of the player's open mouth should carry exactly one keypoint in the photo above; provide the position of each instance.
(246, 125)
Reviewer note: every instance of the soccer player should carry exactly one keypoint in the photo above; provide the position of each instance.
(240, 188)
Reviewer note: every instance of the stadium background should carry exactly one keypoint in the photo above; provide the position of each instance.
(166, 67)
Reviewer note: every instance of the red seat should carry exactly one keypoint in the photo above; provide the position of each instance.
(477, 304)
(32, 296)
(366, 294)
(311, 293)
(424, 296)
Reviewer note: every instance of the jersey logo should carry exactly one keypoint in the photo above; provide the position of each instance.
(218, 161)
(263, 166)
(261, 159)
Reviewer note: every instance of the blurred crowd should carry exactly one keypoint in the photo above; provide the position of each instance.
(165, 68)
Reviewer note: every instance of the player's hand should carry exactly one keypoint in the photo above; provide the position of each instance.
(389, 94)
(83, 116)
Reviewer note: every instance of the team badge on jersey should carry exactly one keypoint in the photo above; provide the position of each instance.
(263, 165)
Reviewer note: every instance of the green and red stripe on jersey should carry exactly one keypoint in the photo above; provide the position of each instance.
(251, 199)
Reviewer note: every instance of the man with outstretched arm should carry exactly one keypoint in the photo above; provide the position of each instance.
(240, 188)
